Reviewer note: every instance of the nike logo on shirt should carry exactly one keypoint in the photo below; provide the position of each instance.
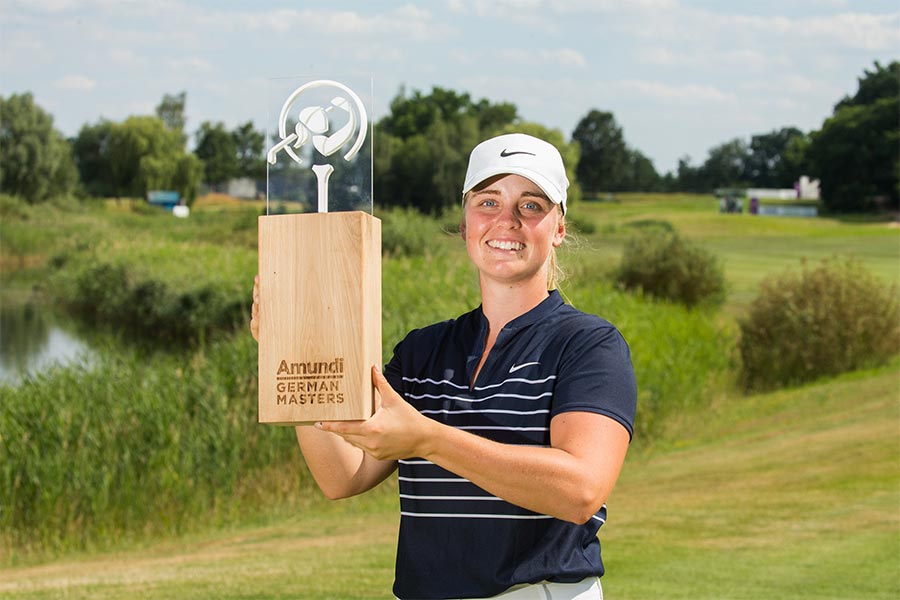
(515, 368)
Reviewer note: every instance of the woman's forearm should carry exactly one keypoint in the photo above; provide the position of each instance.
(340, 470)
(570, 480)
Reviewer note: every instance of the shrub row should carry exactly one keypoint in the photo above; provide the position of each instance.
(111, 295)
(816, 321)
(659, 262)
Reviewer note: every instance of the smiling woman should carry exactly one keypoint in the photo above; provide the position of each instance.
(508, 424)
(510, 228)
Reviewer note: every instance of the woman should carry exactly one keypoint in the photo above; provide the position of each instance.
(509, 424)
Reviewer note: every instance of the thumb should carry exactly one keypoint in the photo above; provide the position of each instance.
(381, 384)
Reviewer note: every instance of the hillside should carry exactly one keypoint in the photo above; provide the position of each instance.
(793, 494)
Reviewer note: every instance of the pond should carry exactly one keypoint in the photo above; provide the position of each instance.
(34, 338)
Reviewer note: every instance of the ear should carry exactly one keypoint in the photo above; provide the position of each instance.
(560, 234)
(462, 228)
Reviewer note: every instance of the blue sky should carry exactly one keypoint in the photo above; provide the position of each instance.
(680, 77)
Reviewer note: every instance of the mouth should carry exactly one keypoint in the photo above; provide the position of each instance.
(505, 245)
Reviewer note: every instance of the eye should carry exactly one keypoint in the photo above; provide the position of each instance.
(533, 206)
(488, 202)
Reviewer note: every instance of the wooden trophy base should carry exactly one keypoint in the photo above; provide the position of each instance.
(320, 316)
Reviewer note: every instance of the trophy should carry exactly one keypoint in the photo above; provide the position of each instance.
(319, 260)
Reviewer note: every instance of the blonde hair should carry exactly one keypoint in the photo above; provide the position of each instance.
(555, 273)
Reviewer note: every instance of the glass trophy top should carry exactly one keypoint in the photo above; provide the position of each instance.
(319, 146)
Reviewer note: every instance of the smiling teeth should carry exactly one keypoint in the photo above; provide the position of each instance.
(506, 245)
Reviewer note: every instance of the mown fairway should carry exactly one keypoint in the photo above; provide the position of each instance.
(794, 494)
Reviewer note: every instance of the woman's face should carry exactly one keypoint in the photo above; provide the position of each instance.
(510, 227)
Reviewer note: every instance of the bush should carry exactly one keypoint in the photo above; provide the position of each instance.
(824, 320)
(681, 357)
(407, 232)
(658, 261)
(150, 308)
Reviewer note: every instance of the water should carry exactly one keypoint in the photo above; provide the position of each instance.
(32, 339)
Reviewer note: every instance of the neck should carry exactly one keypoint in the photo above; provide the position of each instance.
(501, 303)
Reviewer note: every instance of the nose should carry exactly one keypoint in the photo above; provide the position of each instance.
(509, 216)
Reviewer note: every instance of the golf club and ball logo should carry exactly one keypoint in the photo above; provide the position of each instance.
(314, 125)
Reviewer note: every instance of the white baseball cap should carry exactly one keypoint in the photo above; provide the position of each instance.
(519, 154)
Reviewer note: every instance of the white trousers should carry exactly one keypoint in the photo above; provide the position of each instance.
(587, 589)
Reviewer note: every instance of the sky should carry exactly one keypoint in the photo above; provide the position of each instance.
(680, 77)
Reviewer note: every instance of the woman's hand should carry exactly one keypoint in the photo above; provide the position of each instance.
(395, 431)
(254, 310)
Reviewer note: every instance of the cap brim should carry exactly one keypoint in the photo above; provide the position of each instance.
(539, 180)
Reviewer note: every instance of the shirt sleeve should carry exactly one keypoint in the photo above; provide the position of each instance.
(596, 375)
(393, 371)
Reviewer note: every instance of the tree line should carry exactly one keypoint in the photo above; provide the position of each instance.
(423, 145)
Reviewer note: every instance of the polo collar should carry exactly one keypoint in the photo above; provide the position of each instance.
(546, 307)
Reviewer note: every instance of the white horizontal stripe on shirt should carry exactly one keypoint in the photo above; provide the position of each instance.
(435, 479)
(436, 382)
(478, 411)
(412, 497)
(474, 400)
(478, 388)
(472, 516)
(494, 428)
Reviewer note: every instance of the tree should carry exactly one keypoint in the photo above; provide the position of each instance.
(725, 165)
(856, 153)
(640, 174)
(35, 159)
(217, 148)
(142, 154)
(171, 111)
(604, 155)
(769, 164)
(424, 143)
(494, 117)
(91, 150)
(881, 83)
(249, 144)
(688, 176)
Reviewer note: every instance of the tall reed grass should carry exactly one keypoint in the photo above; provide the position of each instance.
(681, 357)
(135, 445)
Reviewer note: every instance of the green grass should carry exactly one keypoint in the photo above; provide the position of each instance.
(749, 506)
(750, 247)
(793, 494)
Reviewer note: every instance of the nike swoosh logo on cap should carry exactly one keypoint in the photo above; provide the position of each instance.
(515, 368)
(504, 153)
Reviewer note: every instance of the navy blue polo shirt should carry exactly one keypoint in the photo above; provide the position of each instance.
(456, 540)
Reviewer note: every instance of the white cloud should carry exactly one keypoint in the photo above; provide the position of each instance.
(406, 21)
(127, 58)
(858, 31)
(791, 85)
(190, 63)
(563, 57)
(743, 58)
(47, 6)
(77, 83)
(688, 94)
